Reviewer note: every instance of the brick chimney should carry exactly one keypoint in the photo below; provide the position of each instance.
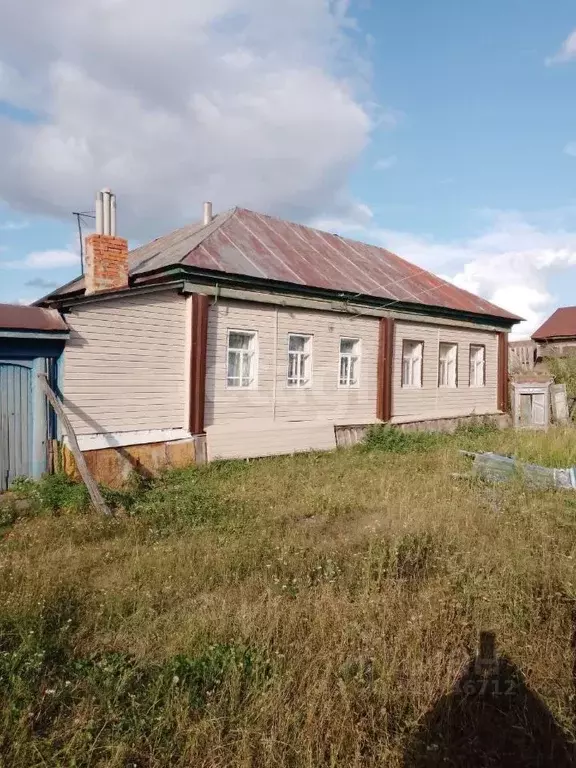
(106, 256)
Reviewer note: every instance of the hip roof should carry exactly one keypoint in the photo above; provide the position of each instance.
(244, 243)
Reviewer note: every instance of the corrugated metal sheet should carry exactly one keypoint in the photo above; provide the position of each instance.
(15, 421)
(560, 324)
(23, 318)
(244, 243)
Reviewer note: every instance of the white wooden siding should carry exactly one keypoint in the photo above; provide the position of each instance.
(272, 399)
(431, 401)
(125, 364)
(268, 438)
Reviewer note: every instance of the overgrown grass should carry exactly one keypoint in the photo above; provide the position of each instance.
(563, 369)
(313, 610)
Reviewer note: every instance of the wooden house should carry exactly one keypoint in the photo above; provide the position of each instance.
(244, 335)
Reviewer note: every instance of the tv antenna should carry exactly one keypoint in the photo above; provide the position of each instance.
(82, 220)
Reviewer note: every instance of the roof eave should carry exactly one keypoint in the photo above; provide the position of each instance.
(214, 276)
(172, 275)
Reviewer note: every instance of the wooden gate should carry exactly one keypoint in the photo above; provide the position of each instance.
(16, 420)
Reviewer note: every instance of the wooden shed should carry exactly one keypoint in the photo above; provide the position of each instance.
(31, 343)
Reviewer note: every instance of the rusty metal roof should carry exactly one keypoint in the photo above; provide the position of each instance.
(15, 317)
(560, 324)
(244, 243)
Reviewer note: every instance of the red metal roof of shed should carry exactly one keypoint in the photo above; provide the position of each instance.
(561, 323)
(16, 317)
(249, 244)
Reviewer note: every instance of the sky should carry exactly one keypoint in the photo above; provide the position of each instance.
(444, 131)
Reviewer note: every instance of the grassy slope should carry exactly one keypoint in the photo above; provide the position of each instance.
(302, 611)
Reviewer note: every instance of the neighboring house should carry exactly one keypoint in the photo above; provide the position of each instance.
(245, 335)
(31, 343)
(558, 333)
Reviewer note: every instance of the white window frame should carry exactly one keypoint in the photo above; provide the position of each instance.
(451, 374)
(253, 354)
(304, 382)
(356, 356)
(478, 365)
(407, 382)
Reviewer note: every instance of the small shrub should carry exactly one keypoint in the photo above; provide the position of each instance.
(480, 429)
(8, 514)
(384, 437)
(185, 498)
(58, 492)
(563, 369)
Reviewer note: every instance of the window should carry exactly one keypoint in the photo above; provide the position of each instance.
(412, 353)
(477, 365)
(349, 362)
(299, 360)
(241, 359)
(447, 365)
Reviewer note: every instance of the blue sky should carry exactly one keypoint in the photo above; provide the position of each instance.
(445, 131)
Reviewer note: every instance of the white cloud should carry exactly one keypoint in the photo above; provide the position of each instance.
(239, 101)
(570, 148)
(566, 53)
(510, 263)
(385, 163)
(12, 226)
(44, 260)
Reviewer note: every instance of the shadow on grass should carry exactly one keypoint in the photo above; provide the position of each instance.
(491, 718)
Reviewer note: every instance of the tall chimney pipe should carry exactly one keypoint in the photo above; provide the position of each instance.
(99, 214)
(106, 217)
(207, 214)
(113, 215)
(106, 255)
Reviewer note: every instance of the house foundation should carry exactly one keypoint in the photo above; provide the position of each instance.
(352, 434)
(115, 466)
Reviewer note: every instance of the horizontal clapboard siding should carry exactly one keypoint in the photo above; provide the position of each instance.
(272, 399)
(431, 401)
(269, 438)
(125, 364)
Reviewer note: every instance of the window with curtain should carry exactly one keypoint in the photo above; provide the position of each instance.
(299, 360)
(349, 362)
(412, 354)
(477, 365)
(447, 365)
(242, 360)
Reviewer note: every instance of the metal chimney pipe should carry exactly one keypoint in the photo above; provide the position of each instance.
(207, 218)
(99, 214)
(113, 215)
(106, 217)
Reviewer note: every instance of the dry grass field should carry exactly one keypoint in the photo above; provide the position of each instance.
(315, 610)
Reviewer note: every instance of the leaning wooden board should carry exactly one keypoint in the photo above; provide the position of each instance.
(95, 495)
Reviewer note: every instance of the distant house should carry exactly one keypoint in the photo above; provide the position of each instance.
(558, 332)
(245, 335)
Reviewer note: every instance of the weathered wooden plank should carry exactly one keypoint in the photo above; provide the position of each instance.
(95, 495)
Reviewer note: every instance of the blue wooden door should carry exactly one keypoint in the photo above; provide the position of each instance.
(16, 414)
